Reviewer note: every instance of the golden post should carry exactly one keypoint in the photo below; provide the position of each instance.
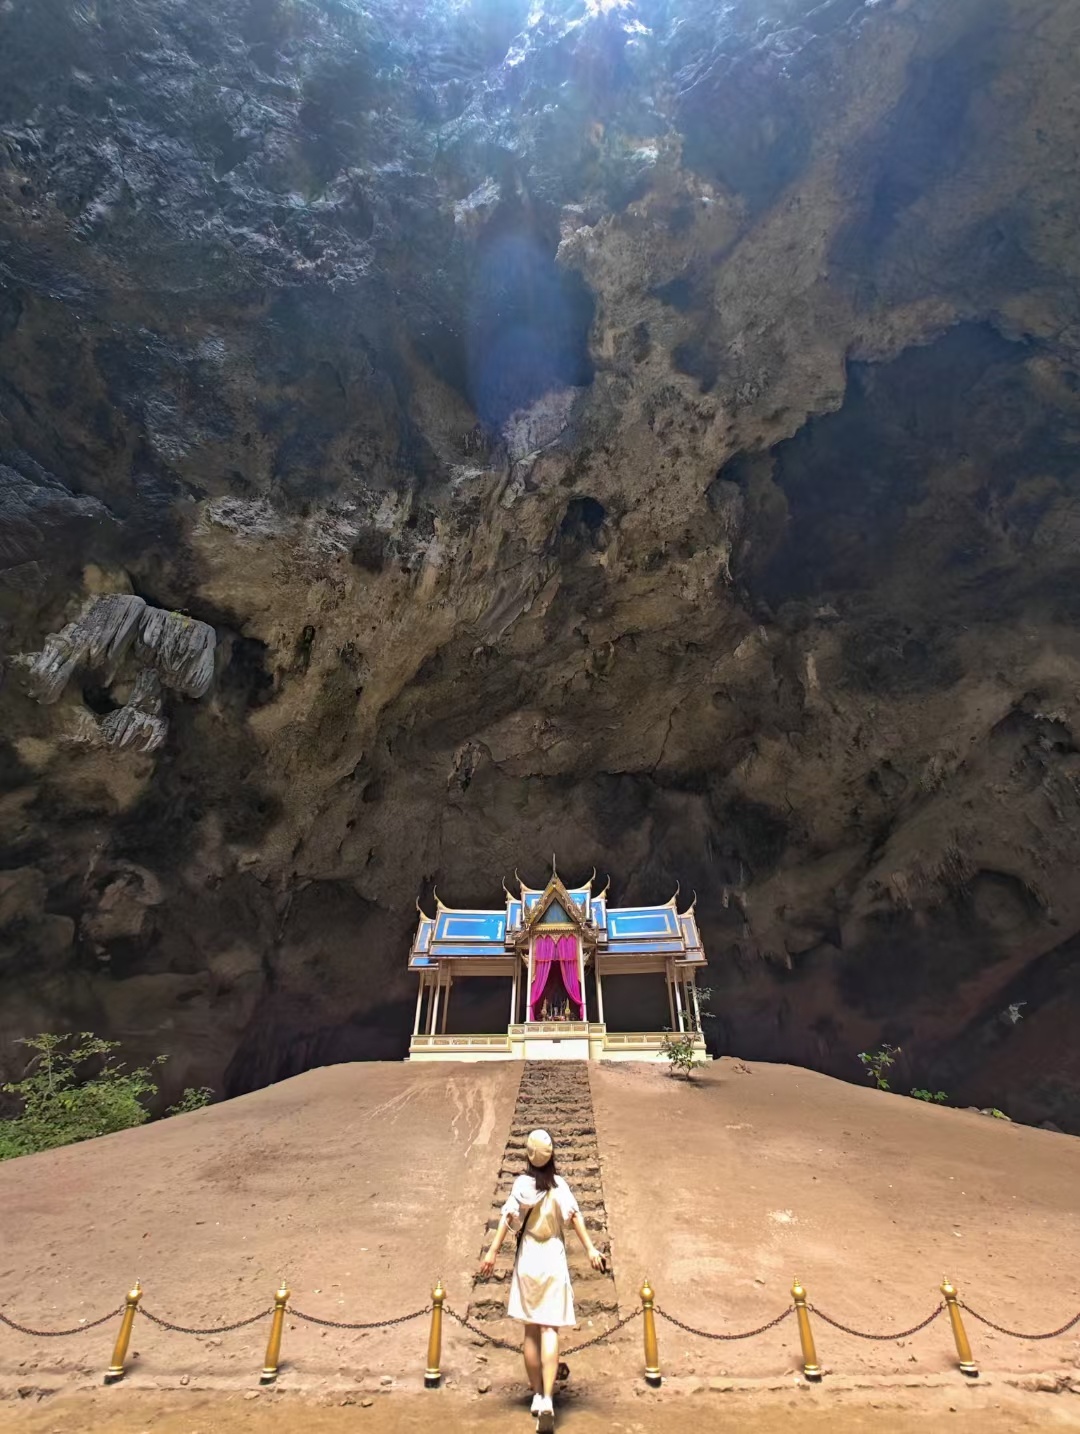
(273, 1344)
(963, 1348)
(115, 1370)
(811, 1368)
(433, 1373)
(652, 1351)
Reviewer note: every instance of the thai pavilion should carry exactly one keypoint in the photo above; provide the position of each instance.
(556, 947)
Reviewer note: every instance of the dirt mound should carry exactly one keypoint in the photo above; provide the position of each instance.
(362, 1183)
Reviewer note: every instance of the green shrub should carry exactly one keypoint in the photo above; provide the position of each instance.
(193, 1098)
(681, 1051)
(74, 1089)
(934, 1097)
(878, 1062)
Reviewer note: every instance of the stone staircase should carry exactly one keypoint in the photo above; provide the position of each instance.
(554, 1096)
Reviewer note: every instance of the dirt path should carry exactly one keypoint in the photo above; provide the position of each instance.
(960, 1409)
(363, 1183)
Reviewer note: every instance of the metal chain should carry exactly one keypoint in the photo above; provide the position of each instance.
(604, 1334)
(1015, 1334)
(515, 1348)
(59, 1333)
(884, 1338)
(218, 1329)
(481, 1333)
(375, 1324)
(708, 1334)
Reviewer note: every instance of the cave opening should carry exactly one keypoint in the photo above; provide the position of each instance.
(528, 319)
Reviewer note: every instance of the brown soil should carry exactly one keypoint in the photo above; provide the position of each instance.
(983, 1411)
(363, 1183)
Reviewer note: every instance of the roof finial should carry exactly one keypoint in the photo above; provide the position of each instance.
(591, 878)
(553, 871)
(505, 888)
(435, 894)
(674, 899)
(517, 878)
(599, 894)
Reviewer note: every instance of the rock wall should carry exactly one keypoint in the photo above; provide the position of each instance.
(433, 435)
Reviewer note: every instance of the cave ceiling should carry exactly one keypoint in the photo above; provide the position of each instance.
(648, 432)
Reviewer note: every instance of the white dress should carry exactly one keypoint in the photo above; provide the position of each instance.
(540, 1291)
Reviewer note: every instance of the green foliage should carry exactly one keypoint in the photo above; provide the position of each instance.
(75, 1088)
(878, 1062)
(679, 1046)
(997, 1114)
(193, 1098)
(680, 1050)
(934, 1097)
(64, 1101)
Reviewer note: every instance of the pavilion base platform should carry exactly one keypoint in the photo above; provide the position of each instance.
(547, 1041)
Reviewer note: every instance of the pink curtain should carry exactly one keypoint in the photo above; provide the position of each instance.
(544, 953)
(568, 969)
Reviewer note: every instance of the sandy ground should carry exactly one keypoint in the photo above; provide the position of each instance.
(725, 1188)
(982, 1411)
(362, 1183)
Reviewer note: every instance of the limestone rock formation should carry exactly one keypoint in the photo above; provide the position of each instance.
(433, 434)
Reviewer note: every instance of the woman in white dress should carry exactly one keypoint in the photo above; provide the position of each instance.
(540, 1207)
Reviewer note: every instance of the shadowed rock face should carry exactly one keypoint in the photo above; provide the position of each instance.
(646, 432)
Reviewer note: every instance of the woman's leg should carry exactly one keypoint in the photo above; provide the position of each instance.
(549, 1358)
(532, 1357)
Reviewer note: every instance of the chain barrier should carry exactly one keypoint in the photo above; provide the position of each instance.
(218, 1329)
(516, 1348)
(708, 1334)
(342, 1324)
(60, 1333)
(882, 1338)
(1015, 1334)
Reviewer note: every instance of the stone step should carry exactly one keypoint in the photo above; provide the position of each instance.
(494, 1307)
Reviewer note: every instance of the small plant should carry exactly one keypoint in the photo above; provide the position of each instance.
(193, 1098)
(878, 1062)
(933, 1097)
(680, 1050)
(74, 1089)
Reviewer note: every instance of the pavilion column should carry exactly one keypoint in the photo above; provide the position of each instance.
(678, 1001)
(434, 1011)
(599, 989)
(514, 990)
(669, 977)
(419, 1002)
(697, 1006)
(446, 1002)
(528, 988)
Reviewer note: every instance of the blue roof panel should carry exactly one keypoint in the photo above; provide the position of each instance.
(471, 926)
(642, 921)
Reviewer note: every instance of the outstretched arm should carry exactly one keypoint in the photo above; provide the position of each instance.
(596, 1259)
(487, 1264)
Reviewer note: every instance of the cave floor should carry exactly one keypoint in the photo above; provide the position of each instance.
(363, 1183)
(987, 1409)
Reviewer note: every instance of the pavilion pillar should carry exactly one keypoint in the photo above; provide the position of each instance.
(678, 1000)
(419, 1003)
(434, 1012)
(446, 1002)
(697, 1006)
(669, 977)
(529, 1013)
(599, 989)
(581, 978)
(514, 990)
